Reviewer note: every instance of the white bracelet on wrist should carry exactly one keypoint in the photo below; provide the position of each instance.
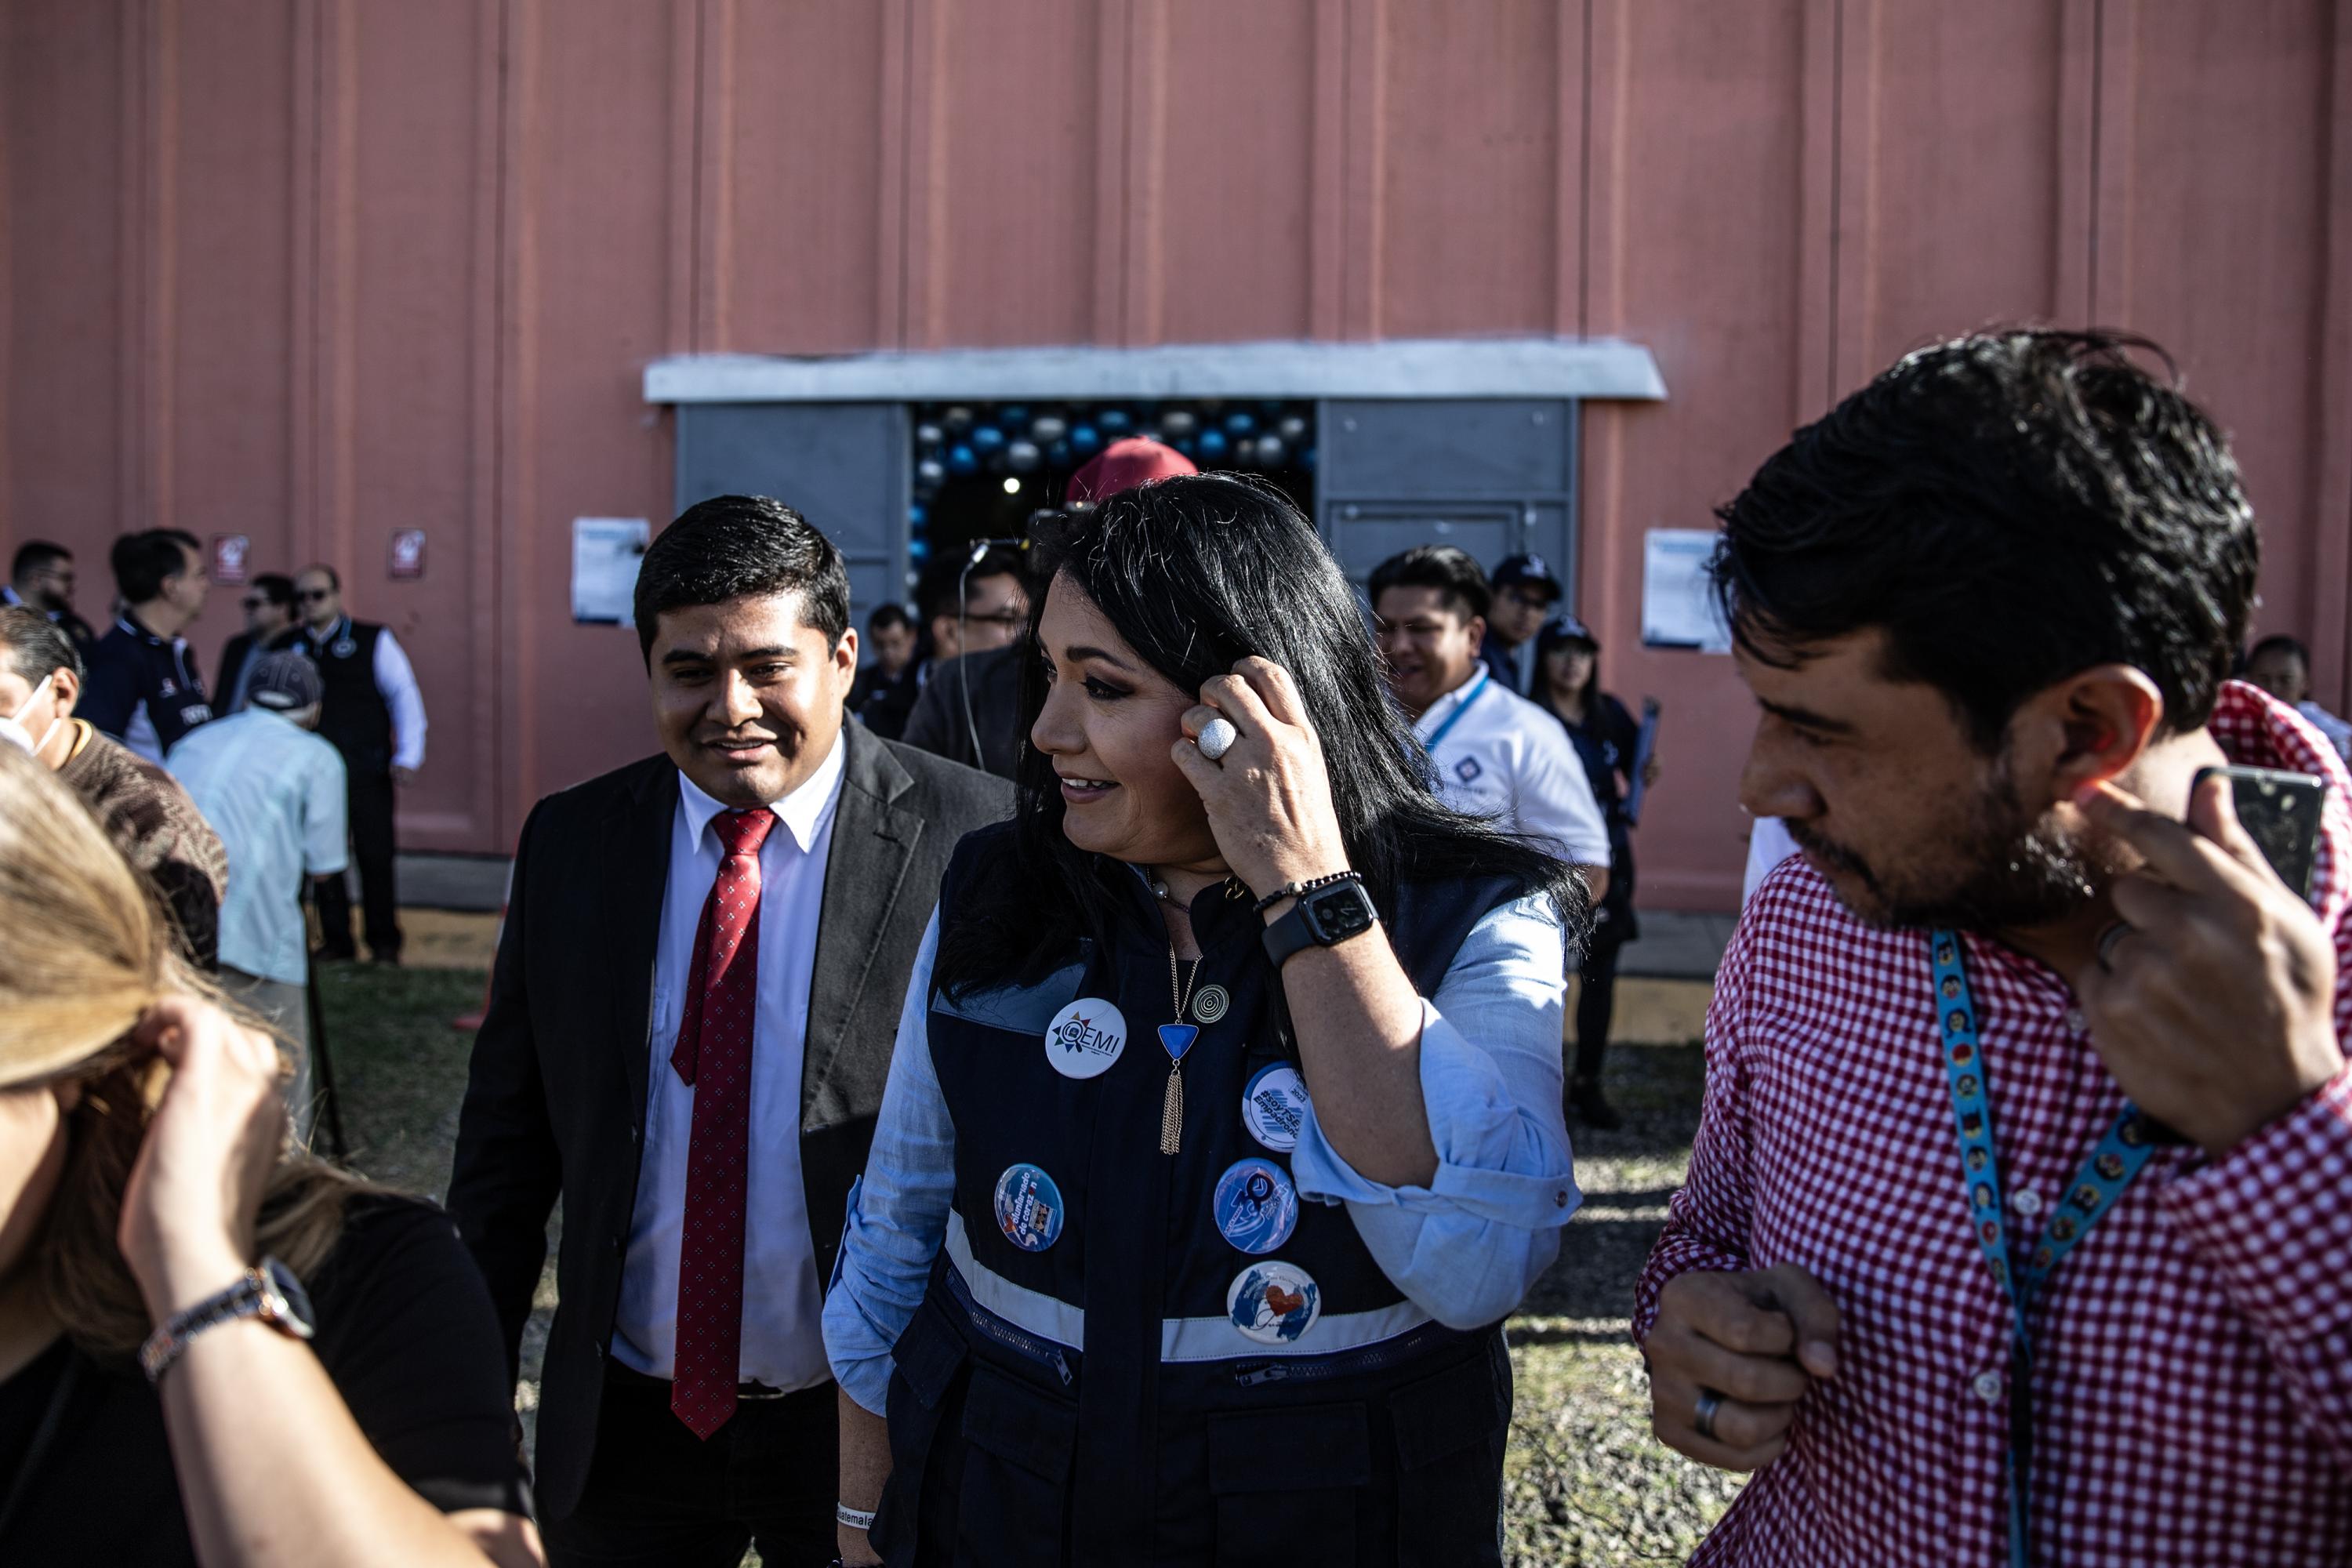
(856, 1518)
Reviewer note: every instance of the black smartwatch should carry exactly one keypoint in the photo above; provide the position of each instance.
(1323, 916)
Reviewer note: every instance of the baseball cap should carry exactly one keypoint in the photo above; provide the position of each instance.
(285, 683)
(1125, 464)
(1565, 628)
(1526, 571)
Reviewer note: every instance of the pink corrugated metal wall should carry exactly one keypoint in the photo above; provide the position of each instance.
(313, 270)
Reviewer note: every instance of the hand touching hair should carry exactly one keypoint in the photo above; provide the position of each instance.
(85, 956)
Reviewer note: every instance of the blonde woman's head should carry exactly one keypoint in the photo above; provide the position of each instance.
(85, 950)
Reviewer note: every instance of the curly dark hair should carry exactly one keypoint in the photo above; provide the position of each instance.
(2010, 507)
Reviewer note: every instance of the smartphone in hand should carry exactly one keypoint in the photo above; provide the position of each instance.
(2280, 812)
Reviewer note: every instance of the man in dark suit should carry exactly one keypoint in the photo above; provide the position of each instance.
(689, 1027)
(268, 614)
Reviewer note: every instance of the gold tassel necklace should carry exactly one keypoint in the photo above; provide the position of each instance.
(1178, 1039)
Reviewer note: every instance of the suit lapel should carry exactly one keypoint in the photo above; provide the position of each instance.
(873, 839)
(637, 876)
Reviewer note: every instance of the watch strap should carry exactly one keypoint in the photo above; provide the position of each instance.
(1299, 929)
(254, 1294)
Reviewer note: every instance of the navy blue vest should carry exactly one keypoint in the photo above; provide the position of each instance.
(353, 716)
(1094, 1402)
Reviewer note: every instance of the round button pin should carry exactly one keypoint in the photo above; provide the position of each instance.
(1028, 1208)
(1273, 1107)
(1210, 1003)
(1086, 1038)
(1256, 1206)
(1274, 1304)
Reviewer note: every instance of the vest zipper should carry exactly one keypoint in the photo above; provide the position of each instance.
(1376, 1358)
(1019, 1341)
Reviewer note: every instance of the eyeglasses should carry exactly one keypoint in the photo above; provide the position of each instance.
(315, 595)
(255, 601)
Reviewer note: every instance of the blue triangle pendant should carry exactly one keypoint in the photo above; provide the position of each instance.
(1179, 1038)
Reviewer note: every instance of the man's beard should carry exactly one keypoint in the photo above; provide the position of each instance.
(2006, 869)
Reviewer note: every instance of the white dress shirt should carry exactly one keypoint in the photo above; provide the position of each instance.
(783, 1338)
(396, 679)
(1507, 759)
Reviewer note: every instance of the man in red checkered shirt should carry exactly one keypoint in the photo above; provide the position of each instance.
(2027, 1149)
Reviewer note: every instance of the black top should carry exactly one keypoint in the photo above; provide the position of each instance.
(1604, 744)
(406, 1333)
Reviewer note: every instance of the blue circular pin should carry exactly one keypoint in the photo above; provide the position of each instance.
(1028, 1208)
(1256, 1206)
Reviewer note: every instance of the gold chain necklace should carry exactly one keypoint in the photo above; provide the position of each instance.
(1177, 1037)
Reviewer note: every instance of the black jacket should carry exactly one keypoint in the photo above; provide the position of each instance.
(938, 724)
(556, 1102)
(235, 653)
(136, 676)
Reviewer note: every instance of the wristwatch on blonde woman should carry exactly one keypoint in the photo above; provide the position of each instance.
(268, 1290)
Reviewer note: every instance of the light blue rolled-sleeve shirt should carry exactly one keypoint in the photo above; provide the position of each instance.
(1464, 1250)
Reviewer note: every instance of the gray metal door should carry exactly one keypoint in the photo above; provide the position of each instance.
(1495, 476)
(843, 466)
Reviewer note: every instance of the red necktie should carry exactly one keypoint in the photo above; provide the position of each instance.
(714, 1057)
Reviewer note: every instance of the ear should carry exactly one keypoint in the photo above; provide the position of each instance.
(1477, 630)
(2087, 728)
(845, 653)
(65, 691)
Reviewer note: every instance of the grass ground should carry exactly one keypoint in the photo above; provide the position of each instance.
(1587, 1485)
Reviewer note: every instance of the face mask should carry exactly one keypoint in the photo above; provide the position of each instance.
(15, 734)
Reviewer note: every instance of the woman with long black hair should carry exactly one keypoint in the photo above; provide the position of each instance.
(1224, 1126)
(1568, 682)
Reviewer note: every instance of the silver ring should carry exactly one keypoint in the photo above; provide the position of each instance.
(1703, 1419)
(1217, 738)
(2109, 939)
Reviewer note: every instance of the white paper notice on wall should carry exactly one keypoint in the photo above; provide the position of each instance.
(605, 554)
(1678, 608)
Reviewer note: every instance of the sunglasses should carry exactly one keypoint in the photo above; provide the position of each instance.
(255, 601)
(315, 595)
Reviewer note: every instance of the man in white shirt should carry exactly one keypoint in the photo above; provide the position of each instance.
(689, 1027)
(274, 793)
(374, 715)
(1497, 754)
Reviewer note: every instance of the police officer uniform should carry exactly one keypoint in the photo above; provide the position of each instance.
(1126, 1355)
(368, 683)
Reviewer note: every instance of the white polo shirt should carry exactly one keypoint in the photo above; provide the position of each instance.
(1498, 755)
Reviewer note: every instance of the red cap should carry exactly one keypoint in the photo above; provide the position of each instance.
(1124, 464)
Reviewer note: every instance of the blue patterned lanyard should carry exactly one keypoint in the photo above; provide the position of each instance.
(2110, 1169)
(1477, 690)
